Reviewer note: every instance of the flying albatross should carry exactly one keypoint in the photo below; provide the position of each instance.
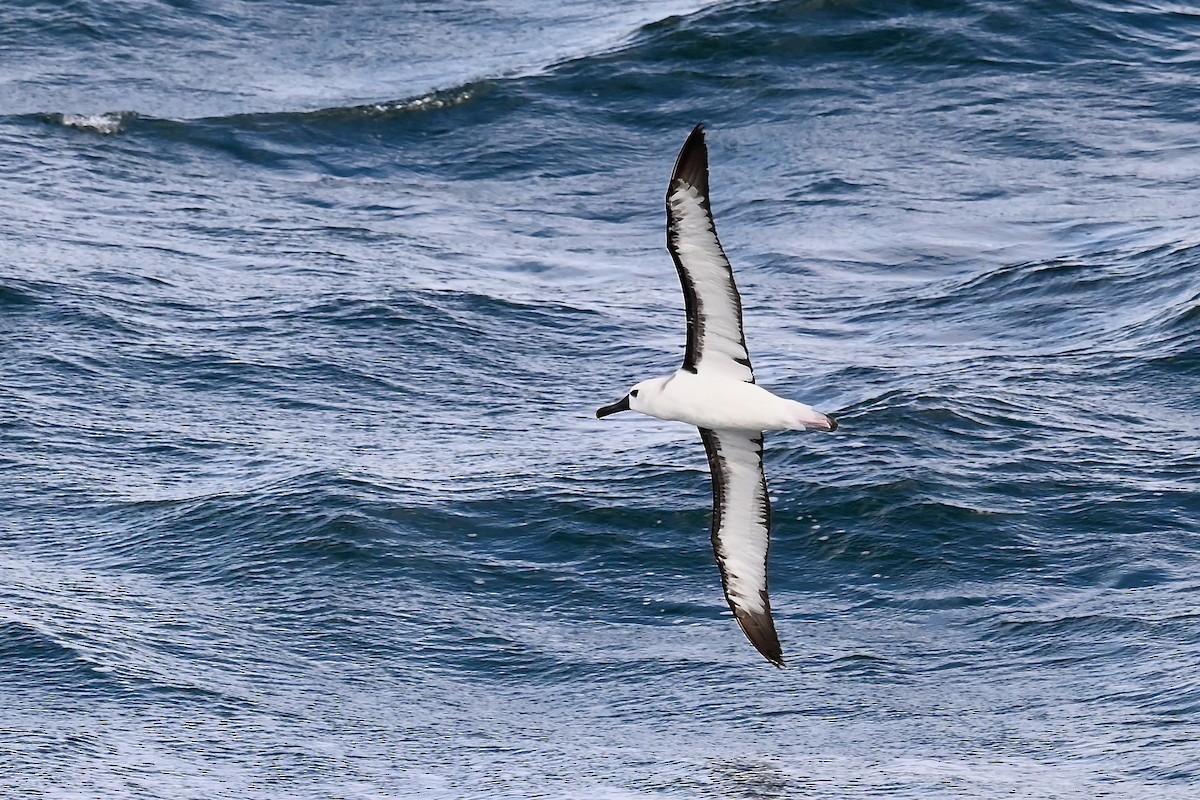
(715, 391)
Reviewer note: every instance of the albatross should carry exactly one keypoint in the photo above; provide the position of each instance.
(715, 391)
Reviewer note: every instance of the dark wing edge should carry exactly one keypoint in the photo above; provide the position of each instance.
(691, 168)
(759, 627)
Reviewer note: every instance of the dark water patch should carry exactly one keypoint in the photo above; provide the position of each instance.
(864, 665)
(429, 114)
(943, 541)
(730, 34)
(32, 659)
(321, 138)
(1108, 302)
(15, 296)
(315, 531)
(759, 54)
(299, 523)
(88, 647)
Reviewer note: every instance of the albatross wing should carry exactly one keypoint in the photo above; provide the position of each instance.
(715, 342)
(741, 532)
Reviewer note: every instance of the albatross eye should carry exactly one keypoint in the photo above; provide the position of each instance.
(633, 393)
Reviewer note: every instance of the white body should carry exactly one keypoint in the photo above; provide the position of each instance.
(720, 403)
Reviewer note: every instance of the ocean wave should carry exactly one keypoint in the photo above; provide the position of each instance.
(234, 59)
(721, 25)
(720, 31)
(32, 655)
(284, 122)
(821, 31)
(427, 103)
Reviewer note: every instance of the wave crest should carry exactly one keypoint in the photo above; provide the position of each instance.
(107, 124)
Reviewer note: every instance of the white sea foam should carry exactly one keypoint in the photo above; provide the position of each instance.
(107, 124)
(428, 102)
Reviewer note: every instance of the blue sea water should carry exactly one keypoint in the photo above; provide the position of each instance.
(306, 307)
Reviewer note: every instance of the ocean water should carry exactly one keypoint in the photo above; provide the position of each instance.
(306, 308)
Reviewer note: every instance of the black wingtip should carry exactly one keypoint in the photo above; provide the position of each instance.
(760, 630)
(692, 165)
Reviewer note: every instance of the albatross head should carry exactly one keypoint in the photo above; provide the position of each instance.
(640, 398)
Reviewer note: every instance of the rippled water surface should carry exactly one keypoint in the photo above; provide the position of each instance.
(306, 308)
